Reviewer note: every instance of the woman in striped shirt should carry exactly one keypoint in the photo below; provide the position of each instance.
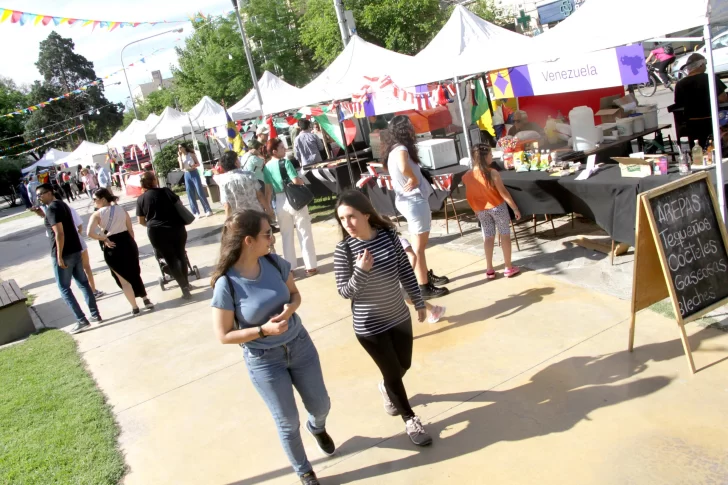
(370, 265)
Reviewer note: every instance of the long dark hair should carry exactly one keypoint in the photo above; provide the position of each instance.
(357, 200)
(400, 132)
(479, 155)
(105, 194)
(237, 227)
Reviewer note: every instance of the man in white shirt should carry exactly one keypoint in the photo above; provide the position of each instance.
(103, 176)
(239, 190)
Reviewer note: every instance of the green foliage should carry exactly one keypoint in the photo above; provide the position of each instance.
(55, 426)
(273, 29)
(404, 27)
(204, 66)
(493, 12)
(166, 160)
(11, 99)
(320, 31)
(9, 178)
(64, 70)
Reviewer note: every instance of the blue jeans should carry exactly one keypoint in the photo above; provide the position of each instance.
(275, 372)
(74, 269)
(193, 184)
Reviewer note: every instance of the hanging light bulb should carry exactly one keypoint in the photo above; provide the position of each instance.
(98, 112)
(42, 130)
(230, 56)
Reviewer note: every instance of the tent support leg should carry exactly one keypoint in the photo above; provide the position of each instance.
(466, 132)
(717, 153)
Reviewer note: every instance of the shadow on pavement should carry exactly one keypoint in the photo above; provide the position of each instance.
(555, 400)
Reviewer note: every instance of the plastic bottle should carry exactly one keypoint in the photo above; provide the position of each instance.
(697, 154)
(685, 164)
(684, 145)
(550, 159)
(709, 153)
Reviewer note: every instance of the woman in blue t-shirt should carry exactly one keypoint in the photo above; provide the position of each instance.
(254, 305)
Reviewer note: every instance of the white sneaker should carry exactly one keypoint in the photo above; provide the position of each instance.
(208, 214)
(436, 314)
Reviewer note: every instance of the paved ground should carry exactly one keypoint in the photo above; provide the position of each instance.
(527, 380)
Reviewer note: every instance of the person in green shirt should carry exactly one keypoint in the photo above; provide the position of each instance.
(288, 217)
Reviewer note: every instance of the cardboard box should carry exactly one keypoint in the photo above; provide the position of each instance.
(634, 167)
(613, 107)
(610, 115)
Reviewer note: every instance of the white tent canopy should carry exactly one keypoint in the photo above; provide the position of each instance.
(465, 35)
(49, 159)
(207, 113)
(117, 141)
(171, 123)
(272, 88)
(84, 154)
(345, 75)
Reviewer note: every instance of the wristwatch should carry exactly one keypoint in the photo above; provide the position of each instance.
(260, 332)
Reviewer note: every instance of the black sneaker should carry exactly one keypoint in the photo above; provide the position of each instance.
(309, 479)
(135, 312)
(148, 304)
(429, 291)
(324, 442)
(186, 295)
(437, 280)
(80, 327)
(96, 319)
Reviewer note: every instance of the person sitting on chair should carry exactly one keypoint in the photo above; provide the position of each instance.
(521, 123)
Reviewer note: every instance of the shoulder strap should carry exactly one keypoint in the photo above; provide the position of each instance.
(236, 324)
(111, 218)
(349, 255)
(275, 264)
(284, 173)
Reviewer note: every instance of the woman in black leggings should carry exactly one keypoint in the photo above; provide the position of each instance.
(370, 265)
(166, 230)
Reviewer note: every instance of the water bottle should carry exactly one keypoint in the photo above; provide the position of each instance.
(685, 164)
(697, 154)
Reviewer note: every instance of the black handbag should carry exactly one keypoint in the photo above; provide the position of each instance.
(182, 211)
(299, 196)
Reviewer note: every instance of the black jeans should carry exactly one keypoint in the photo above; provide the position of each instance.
(392, 352)
(661, 67)
(67, 191)
(169, 242)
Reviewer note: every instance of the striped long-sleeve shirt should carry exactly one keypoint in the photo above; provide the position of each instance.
(377, 300)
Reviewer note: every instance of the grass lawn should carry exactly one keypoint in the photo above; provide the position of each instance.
(55, 426)
(21, 215)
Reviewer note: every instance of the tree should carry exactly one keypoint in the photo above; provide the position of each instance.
(320, 29)
(273, 30)
(63, 70)
(12, 98)
(403, 26)
(9, 177)
(205, 67)
(494, 12)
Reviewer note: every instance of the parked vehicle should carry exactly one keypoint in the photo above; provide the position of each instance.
(720, 57)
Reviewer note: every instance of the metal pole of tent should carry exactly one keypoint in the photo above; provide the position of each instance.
(717, 152)
(346, 151)
(466, 131)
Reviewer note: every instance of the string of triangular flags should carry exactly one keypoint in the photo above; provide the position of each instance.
(423, 99)
(80, 90)
(66, 131)
(35, 19)
(74, 130)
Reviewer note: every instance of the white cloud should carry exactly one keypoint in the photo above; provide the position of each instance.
(102, 47)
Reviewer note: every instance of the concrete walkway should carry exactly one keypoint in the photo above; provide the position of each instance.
(526, 381)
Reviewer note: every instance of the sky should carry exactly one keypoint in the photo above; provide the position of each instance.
(102, 47)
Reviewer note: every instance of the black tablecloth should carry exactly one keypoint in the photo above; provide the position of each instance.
(323, 180)
(607, 198)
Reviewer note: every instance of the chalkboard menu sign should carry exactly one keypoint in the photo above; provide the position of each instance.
(691, 239)
(680, 252)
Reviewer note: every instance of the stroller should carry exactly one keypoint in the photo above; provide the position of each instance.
(166, 273)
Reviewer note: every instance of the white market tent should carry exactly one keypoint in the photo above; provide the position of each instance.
(117, 141)
(344, 76)
(86, 153)
(171, 123)
(208, 114)
(271, 88)
(465, 35)
(49, 159)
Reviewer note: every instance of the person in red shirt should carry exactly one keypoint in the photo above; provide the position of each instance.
(663, 57)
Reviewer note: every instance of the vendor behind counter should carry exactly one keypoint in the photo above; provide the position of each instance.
(521, 123)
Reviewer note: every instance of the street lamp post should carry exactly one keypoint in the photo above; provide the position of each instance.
(248, 56)
(133, 105)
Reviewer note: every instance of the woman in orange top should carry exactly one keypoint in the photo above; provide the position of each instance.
(487, 197)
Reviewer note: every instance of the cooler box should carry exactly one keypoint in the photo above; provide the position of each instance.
(437, 153)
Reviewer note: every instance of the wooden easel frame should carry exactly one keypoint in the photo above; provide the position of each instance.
(650, 263)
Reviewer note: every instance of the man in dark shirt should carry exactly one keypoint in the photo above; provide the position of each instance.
(521, 123)
(692, 93)
(66, 256)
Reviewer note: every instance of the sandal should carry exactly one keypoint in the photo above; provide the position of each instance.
(311, 272)
(512, 271)
(490, 274)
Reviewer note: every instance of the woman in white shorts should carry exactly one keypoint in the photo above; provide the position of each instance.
(412, 191)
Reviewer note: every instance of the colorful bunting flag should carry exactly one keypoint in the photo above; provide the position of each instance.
(23, 18)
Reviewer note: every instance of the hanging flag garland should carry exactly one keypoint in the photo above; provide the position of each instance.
(73, 130)
(27, 18)
(421, 99)
(62, 132)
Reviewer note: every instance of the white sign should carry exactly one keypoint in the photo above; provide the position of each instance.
(595, 71)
